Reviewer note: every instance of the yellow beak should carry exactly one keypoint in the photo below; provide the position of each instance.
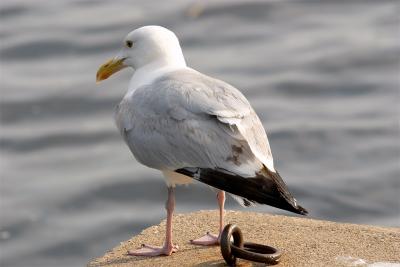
(109, 68)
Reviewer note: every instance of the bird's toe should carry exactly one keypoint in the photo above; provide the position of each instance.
(206, 240)
(152, 251)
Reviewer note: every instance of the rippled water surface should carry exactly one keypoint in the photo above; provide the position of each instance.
(322, 75)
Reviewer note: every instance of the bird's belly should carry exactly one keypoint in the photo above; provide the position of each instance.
(174, 178)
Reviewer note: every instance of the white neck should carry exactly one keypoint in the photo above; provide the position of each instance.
(148, 73)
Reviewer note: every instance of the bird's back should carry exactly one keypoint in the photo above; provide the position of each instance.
(204, 128)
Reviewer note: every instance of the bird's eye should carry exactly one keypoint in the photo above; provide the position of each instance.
(129, 43)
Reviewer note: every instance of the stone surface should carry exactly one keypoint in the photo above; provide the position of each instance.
(305, 242)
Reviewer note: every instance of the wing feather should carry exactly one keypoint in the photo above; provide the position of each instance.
(206, 129)
(187, 119)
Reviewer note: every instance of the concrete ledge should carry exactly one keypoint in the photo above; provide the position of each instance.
(305, 242)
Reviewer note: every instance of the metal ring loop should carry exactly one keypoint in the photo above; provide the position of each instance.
(257, 252)
(229, 231)
(249, 251)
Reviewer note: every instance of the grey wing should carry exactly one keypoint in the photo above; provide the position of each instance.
(187, 119)
(229, 106)
(203, 128)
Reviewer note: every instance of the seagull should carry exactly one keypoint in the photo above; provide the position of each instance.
(192, 127)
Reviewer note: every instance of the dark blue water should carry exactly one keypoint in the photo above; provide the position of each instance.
(322, 75)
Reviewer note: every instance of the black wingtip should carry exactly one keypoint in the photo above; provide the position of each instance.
(284, 191)
(265, 187)
(300, 210)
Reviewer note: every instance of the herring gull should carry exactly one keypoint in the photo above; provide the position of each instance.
(192, 127)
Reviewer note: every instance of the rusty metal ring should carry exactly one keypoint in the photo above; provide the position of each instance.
(245, 250)
(226, 245)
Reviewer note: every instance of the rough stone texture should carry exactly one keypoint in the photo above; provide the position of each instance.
(305, 242)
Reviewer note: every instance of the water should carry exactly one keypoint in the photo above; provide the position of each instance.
(323, 76)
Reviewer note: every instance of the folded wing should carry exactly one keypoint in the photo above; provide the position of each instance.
(206, 129)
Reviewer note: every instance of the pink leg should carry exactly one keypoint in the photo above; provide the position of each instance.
(211, 239)
(169, 247)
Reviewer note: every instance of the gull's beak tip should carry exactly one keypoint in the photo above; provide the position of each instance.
(98, 77)
(109, 68)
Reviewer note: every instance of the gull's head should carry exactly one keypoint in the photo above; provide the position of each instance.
(147, 46)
